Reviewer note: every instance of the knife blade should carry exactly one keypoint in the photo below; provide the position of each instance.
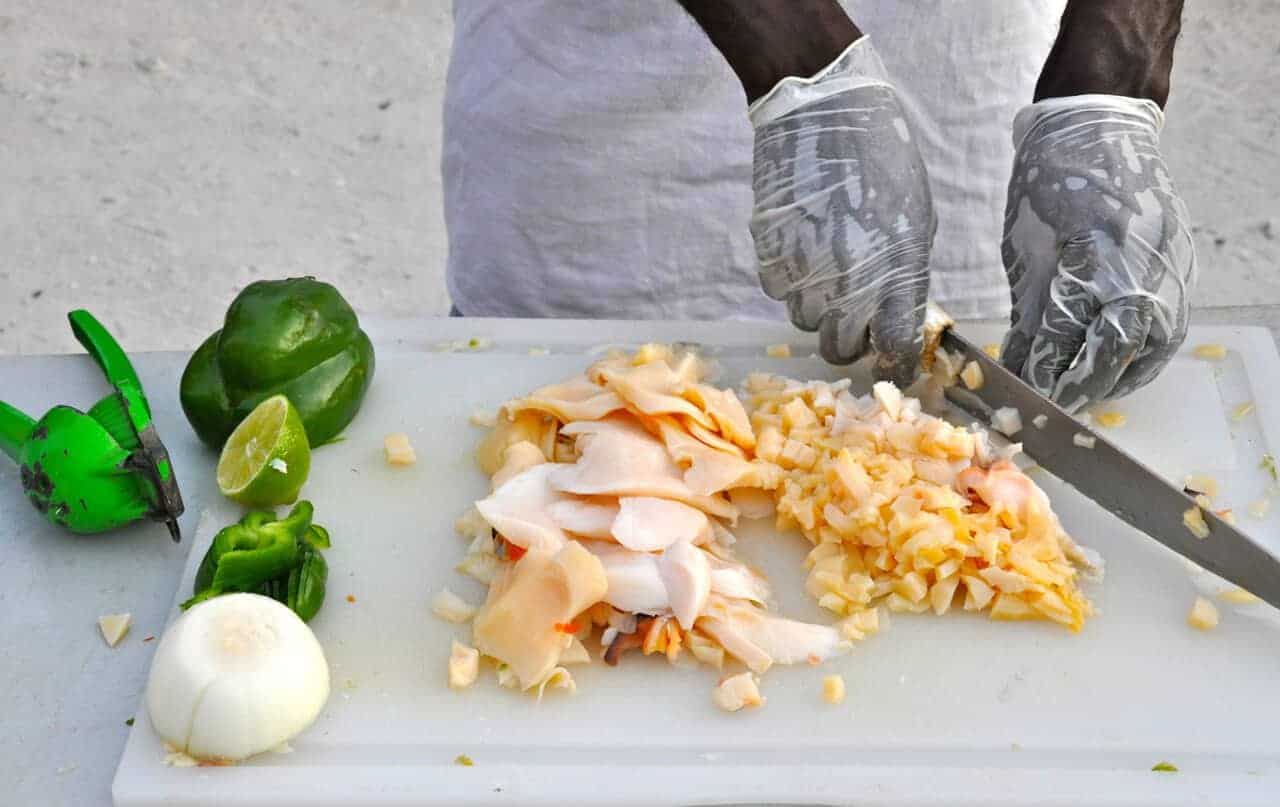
(1112, 478)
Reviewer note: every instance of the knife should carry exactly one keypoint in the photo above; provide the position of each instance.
(1110, 477)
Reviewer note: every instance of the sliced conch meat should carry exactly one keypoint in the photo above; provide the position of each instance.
(619, 458)
(649, 524)
(754, 636)
(686, 573)
(521, 622)
(587, 518)
(653, 389)
(519, 510)
(518, 458)
(579, 398)
(726, 410)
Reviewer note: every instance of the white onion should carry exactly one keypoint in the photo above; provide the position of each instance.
(235, 676)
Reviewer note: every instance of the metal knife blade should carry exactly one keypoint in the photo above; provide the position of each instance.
(1111, 478)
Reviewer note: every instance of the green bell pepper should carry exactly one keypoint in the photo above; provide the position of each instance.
(252, 552)
(303, 588)
(298, 337)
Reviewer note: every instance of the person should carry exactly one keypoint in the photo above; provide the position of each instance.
(759, 158)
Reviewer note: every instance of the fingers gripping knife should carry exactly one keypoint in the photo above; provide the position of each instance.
(92, 472)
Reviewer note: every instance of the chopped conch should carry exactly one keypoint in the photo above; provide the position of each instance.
(614, 495)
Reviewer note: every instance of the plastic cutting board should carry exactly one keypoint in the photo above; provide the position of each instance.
(955, 710)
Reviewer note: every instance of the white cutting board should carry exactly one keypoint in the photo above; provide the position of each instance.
(940, 711)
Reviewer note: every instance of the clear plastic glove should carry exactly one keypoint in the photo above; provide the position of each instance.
(1097, 247)
(843, 220)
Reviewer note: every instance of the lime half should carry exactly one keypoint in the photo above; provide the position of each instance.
(267, 458)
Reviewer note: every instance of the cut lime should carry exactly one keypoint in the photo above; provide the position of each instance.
(266, 460)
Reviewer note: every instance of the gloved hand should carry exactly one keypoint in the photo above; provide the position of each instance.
(843, 220)
(1097, 247)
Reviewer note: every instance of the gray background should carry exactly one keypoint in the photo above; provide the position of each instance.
(157, 156)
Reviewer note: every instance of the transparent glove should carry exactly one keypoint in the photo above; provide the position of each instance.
(843, 220)
(1097, 247)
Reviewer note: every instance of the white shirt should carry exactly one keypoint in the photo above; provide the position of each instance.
(597, 153)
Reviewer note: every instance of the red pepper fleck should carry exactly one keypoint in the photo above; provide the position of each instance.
(351, 598)
(814, 660)
(567, 627)
(515, 552)
(149, 639)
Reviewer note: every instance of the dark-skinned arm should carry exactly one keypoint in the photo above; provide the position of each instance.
(765, 41)
(1115, 47)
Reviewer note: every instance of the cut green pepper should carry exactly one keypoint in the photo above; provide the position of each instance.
(251, 552)
(306, 584)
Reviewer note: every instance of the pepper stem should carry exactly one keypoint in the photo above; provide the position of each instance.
(15, 429)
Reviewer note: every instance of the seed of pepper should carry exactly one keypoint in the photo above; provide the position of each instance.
(567, 627)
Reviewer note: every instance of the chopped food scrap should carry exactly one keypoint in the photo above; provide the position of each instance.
(129, 722)
(1260, 508)
(1204, 615)
(737, 692)
(114, 627)
(539, 351)
(1111, 420)
(1040, 421)
(833, 689)
(901, 510)
(351, 598)
(1238, 596)
(1210, 352)
(149, 639)
(1007, 420)
(1200, 484)
(1228, 515)
(992, 350)
(1083, 440)
(452, 608)
(778, 351)
(972, 376)
(464, 666)
(1194, 521)
(1242, 411)
(1269, 465)
(463, 760)
(398, 449)
(1165, 767)
(483, 418)
(614, 494)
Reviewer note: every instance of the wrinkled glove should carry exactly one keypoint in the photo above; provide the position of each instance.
(843, 220)
(1097, 247)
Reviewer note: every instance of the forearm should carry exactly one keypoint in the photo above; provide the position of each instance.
(765, 41)
(1117, 47)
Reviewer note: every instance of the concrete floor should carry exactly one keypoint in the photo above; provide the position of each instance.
(157, 156)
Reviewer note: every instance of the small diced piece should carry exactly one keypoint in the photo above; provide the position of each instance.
(398, 449)
(972, 376)
(778, 351)
(464, 666)
(483, 418)
(737, 692)
(1111, 420)
(1084, 440)
(1204, 615)
(1007, 420)
(114, 627)
(1210, 352)
(833, 689)
(992, 350)
(1238, 596)
(452, 608)
(1242, 411)
(1193, 518)
(1202, 483)
(1040, 421)
(889, 397)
